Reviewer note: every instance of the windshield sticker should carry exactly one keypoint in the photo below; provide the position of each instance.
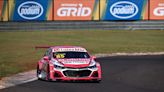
(60, 55)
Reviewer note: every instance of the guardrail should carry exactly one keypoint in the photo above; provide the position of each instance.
(85, 25)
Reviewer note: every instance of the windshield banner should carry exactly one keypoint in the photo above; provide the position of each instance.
(25, 10)
(123, 9)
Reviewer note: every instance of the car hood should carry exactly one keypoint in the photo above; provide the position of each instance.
(75, 63)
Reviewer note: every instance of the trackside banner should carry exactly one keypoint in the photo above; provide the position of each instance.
(76, 10)
(30, 10)
(3, 10)
(123, 9)
(105, 10)
(156, 9)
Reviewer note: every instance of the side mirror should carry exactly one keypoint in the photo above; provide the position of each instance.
(46, 58)
(94, 57)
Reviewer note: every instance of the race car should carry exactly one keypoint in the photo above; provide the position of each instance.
(68, 63)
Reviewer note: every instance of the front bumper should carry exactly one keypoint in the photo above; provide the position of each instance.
(68, 74)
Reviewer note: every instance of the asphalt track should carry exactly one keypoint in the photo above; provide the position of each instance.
(120, 74)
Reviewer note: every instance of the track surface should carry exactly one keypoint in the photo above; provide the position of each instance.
(120, 74)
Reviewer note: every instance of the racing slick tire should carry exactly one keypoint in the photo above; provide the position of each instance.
(43, 75)
(38, 72)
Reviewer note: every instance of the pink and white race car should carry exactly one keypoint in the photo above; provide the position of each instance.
(68, 63)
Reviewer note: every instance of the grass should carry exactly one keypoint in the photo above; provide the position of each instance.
(17, 51)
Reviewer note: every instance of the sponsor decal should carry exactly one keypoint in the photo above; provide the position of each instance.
(1, 8)
(159, 11)
(70, 49)
(73, 10)
(124, 9)
(156, 9)
(74, 61)
(30, 10)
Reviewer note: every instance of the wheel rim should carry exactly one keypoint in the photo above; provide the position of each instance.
(41, 74)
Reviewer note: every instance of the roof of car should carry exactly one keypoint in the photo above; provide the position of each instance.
(68, 48)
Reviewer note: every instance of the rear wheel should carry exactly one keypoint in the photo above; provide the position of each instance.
(43, 74)
(38, 72)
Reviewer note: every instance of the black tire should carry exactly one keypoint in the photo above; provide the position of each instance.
(38, 71)
(47, 78)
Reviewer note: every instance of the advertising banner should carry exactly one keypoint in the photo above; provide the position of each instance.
(156, 9)
(3, 10)
(76, 9)
(25, 10)
(123, 9)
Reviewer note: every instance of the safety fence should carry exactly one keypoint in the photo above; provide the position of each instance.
(81, 10)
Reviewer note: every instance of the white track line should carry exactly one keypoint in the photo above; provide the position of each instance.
(17, 79)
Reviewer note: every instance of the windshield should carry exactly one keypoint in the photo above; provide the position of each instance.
(71, 55)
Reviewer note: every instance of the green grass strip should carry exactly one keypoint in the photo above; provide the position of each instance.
(17, 51)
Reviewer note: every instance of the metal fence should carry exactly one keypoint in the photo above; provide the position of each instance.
(78, 25)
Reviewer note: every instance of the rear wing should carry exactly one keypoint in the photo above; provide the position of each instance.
(42, 47)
